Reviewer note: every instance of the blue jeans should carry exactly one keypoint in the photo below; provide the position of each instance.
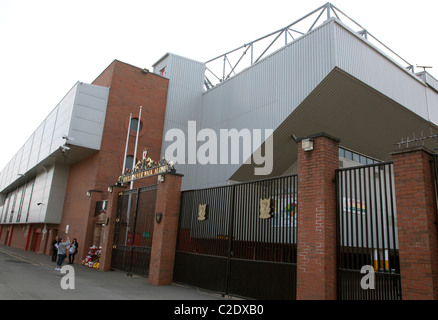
(61, 258)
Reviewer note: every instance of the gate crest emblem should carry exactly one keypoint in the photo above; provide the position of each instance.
(202, 212)
(265, 208)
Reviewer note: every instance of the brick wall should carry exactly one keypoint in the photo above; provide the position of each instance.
(130, 88)
(165, 232)
(316, 244)
(416, 221)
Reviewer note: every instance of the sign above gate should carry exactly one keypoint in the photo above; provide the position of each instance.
(146, 168)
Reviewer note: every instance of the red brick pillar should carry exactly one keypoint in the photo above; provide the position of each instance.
(165, 232)
(316, 244)
(108, 230)
(416, 218)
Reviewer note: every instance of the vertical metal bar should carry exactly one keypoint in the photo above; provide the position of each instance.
(230, 236)
(361, 217)
(133, 232)
(381, 217)
(340, 198)
(285, 36)
(357, 250)
(388, 244)
(393, 214)
(338, 233)
(366, 211)
(350, 225)
(223, 74)
(376, 212)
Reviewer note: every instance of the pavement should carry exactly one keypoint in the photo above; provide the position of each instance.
(27, 275)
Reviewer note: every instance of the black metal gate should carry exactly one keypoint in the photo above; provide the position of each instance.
(367, 233)
(240, 239)
(134, 230)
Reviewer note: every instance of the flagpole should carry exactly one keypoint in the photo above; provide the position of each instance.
(136, 143)
(128, 213)
(126, 146)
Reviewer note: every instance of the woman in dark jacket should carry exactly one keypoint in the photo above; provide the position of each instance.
(54, 249)
(73, 250)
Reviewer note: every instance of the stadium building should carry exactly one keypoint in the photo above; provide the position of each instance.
(293, 150)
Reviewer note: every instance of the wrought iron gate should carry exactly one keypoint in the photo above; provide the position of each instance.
(134, 230)
(367, 232)
(228, 247)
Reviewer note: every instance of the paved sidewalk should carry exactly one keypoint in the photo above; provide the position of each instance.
(26, 275)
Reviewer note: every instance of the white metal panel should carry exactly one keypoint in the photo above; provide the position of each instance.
(262, 96)
(184, 102)
(88, 116)
(26, 201)
(161, 65)
(432, 102)
(2, 182)
(58, 186)
(46, 139)
(365, 62)
(10, 170)
(36, 146)
(80, 114)
(63, 119)
(40, 195)
(431, 81)
(25, 153)
(6, 210)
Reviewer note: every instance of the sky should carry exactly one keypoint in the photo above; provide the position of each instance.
(46, 46)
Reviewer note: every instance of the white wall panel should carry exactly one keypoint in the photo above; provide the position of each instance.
(26, 201)
(377, 70)
(36, 146)
(88, 116)
(63, 119)
(265, 94)
(40, 195)
(46, 140)
(80, 114)
(184, 101)
(432, 102)
(262, 96)
(58, 187)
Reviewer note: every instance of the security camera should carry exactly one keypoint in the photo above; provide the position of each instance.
(67, 138)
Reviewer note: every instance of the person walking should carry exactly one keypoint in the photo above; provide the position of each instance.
(62, 252)
(54, 249)
(72, 251)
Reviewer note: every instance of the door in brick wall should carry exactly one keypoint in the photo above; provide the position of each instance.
(134, 230)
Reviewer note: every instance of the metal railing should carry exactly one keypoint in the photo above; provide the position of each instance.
(367, 232)
(232, 62)
(230, 246)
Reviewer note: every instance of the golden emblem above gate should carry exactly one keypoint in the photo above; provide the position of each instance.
(202, 212)
(265, 208)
